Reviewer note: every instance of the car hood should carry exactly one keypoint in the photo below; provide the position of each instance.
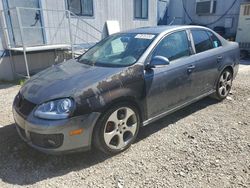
(68, 79)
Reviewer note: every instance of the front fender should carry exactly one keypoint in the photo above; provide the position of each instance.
(127, 85)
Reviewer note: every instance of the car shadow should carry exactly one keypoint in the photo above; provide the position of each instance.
(22, 165)
(174, 117)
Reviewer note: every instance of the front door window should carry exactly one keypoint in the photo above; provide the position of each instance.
(174, 46)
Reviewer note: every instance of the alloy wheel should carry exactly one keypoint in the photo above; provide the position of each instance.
(225, 84)
(120, 128)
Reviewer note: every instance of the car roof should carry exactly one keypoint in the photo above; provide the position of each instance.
(163, 29)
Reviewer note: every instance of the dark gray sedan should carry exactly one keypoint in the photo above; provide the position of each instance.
(127, 80)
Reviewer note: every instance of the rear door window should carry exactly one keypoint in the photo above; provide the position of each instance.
(202, 41)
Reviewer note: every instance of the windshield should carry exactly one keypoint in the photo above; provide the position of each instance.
(118, 50)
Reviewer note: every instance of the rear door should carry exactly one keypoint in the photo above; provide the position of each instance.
(170, 85)
(208, 58)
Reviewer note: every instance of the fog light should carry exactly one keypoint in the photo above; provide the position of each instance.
(48, 141)
(76, 132)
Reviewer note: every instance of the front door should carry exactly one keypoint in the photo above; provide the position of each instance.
(29, 20)
(170, 86)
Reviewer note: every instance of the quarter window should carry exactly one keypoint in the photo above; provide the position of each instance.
(81, 7)
(202, 41)
(173, 46)
(216, 42)
(141, 9)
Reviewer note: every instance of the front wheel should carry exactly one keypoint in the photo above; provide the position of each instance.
(117, 129)
(224, 85)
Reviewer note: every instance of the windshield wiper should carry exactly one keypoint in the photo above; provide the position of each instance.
(86, 61)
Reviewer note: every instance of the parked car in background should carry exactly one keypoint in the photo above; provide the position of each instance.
(127, 80)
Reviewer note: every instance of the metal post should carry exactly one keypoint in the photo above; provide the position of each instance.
(70, 34)
(77, 25)
(23, 43)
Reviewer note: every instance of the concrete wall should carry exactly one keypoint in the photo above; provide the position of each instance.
(6, 69)
(37, 61)
(6, 72)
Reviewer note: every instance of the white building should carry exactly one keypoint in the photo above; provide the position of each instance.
(47, 30)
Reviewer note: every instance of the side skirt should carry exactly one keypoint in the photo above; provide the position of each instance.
(151, 120)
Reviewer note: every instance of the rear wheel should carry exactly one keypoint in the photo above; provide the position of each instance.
(117, 129)
(224, 85)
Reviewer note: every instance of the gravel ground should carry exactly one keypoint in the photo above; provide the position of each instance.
(204, 145)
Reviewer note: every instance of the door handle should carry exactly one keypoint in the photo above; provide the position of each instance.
(190, 68)
(219, 59)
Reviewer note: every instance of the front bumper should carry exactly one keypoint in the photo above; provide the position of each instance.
(53, 136)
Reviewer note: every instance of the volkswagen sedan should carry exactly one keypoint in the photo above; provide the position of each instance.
(127, 80)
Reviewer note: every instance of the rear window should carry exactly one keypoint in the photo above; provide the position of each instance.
(202, 41)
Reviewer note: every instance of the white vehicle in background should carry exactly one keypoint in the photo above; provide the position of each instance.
(243, 33)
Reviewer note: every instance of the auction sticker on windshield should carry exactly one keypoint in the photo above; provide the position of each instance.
(144, 36)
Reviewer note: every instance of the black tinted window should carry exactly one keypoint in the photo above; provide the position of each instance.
(216, 42)
(173, 46)
(81, 7)
(202, 41)
(141, 9)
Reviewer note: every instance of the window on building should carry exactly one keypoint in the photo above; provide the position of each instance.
(202, 41)
(173, 46)
(81, 7)
(206, 7)
(141, 9)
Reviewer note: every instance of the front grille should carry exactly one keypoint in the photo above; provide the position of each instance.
(23, 106)
(48, 141)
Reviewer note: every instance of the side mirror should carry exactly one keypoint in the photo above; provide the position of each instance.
(158, 61)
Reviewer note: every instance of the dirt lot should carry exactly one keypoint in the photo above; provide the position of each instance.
(204, 145)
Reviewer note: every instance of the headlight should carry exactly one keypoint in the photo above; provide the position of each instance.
(58, 109)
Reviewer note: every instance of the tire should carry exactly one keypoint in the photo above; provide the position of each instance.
(117, 129)
(224, 85)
